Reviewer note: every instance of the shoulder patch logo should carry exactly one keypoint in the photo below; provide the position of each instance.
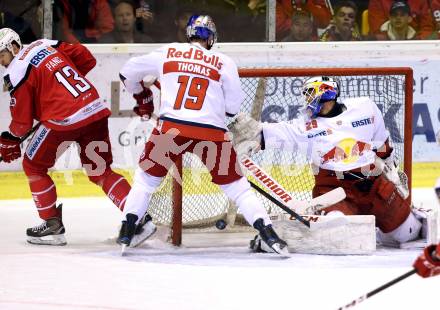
(41, 55)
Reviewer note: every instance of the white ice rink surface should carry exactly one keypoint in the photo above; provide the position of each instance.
(89, 272)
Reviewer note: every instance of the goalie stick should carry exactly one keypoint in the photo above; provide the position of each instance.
(30, 132)
(303, 207)
(279, 204)
(377, 290)
(288, 202)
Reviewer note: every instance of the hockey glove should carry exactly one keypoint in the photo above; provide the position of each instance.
(144, 100)
(246, 134)
(428, 264)
(9, 147)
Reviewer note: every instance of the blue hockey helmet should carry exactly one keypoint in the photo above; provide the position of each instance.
(316, 91)
(202, 27)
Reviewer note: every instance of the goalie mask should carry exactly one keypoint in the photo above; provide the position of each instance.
(316, 91)
(7, 37)
(202, 27)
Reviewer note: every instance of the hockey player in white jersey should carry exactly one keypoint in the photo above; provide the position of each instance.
(199, 87)
(345, 141)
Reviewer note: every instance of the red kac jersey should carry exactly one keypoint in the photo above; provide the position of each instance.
(46, 81)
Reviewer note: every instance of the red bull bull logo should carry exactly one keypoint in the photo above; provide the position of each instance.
(347, 151)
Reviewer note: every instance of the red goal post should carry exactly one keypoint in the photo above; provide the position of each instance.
(275, 95)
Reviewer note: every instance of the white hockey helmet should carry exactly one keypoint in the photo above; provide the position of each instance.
(316, 91)
(7, 36)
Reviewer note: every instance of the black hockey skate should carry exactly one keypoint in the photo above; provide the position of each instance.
(50, 232)
(267, 240)
(128, 229)
(143, 231)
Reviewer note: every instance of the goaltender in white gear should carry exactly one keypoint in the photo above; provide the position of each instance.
(345, 141)
(199, 87)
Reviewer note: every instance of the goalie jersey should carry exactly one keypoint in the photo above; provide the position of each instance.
(341, 143)
(198, 88)
(46, 82)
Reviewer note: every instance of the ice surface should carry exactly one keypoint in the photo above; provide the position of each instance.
(89, 272)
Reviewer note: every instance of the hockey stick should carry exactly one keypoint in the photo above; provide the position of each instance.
(377, 290)
(30, 132)
(283, 197)
(303, 207)
(279, 204)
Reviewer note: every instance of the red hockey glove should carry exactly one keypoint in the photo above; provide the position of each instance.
(9, 147)
(428, 264)
(144, 100)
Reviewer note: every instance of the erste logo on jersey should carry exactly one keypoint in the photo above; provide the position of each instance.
(363, 122)
(41, 55)
(321, 133)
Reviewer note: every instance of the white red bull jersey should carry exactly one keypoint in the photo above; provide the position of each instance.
(339, 143)
(198, 88)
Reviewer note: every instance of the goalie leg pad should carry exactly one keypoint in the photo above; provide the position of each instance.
(409, 230)
(389, 208)
(344, 206)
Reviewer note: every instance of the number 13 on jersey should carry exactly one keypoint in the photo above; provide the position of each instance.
(195, 90)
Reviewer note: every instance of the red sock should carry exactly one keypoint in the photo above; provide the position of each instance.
(45, 196)
(115, 186)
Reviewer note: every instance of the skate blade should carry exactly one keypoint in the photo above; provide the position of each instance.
(281, 251)
(148, 230)
(58, 240)
(123, 248)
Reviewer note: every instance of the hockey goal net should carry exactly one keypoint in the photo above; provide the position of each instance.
(275, 95)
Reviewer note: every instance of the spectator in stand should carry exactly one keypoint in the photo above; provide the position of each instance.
(125, 30)
(398, 26)
(20, 16)
(82, 21)
(435, 9)
(181, 18)
(155, 17)
(422, 22)
(302, 29)
(286, 8)
(343, 26)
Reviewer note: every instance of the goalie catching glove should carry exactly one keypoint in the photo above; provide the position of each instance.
(144, 100)
(247, 134)
(9, 147)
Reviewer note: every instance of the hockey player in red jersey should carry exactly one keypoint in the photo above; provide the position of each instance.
(346, 141)
(199, 87)
(46, 81)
